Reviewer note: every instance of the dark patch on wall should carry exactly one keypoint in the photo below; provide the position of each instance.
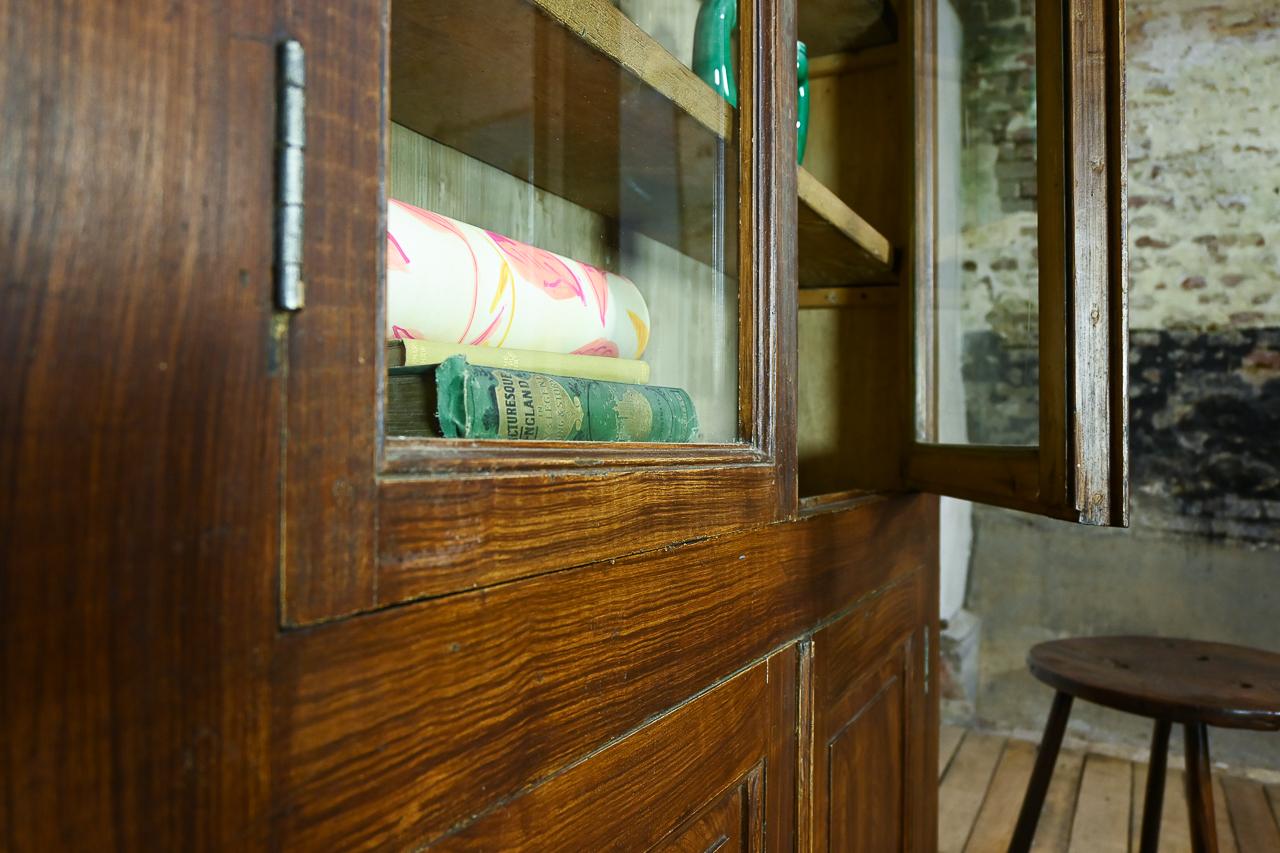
(1204, 424)
(1002, 390)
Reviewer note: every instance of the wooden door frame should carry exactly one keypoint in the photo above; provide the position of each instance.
(1079, 469)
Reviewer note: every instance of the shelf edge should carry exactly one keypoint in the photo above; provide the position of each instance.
(610, 31)
(821, 200)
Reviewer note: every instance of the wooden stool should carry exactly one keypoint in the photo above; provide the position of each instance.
(1172, 681)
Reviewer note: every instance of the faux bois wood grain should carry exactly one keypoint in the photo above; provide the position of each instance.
(1080, 467)
(694, 778)
(768, 329)
(445, 535)
(521, 678)
(335, 463)
(141, 466)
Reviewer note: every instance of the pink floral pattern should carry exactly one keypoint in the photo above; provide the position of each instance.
(600, 346)
(540, 267)
(451, 281)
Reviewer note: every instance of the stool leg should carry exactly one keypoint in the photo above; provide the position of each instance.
(1025, 832)
(1204, 831)
(1154, 802)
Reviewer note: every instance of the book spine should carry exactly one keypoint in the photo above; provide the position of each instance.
(487, 402)
(415, 352)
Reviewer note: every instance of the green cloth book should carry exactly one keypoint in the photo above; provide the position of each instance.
(473, 401)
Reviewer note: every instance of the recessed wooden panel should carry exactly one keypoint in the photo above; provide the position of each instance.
(865, 768)
(872, 780)
(725, 826)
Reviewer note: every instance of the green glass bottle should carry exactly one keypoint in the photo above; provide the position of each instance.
(802, 100)
(713, 47)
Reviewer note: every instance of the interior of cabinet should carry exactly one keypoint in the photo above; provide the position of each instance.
(589, 135)
(578, 127)
(852, 348)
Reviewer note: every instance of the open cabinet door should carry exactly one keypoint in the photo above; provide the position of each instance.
(1018, 260)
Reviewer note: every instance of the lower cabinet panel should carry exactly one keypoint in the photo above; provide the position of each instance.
(868, 727)
(717, 773)
(733, 824)
(864, 768)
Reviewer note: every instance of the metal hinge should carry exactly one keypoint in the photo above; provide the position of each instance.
(291, 143)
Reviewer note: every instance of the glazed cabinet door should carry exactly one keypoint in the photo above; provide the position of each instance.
(869, 734)
(716, 773)
(542, 296)
(1017, 262)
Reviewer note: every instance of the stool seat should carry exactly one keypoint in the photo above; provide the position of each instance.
(1194, 683)
(1183, 681)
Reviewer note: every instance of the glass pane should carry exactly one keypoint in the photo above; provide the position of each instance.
(563, 214)
(985, 370)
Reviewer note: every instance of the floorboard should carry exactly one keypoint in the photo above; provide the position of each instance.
(1053, 831)
(1102, 810)
(1251, 816)
(1226, 838)
(994, 828)
(1175, 826)
(964, 787)
(948, 743)
(1094, 803)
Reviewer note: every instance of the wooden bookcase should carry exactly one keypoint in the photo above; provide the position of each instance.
(247, 619)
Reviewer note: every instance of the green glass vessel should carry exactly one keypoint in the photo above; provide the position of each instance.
(802, 100)
(713, 47)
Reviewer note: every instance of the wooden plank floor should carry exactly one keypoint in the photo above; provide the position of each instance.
(1094, 803)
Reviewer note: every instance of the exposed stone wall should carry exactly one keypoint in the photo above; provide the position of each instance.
(1204, 178)
(1204, 424)
(997, 219)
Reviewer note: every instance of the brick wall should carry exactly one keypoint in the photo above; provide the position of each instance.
(1204, 149)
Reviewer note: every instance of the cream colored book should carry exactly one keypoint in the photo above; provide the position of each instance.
(410, 352)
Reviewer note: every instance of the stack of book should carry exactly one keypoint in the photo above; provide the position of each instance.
(460, 391)
(451, 281)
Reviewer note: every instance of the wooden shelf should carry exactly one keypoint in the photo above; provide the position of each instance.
(573, 97)
(837, 246)
(836, 26)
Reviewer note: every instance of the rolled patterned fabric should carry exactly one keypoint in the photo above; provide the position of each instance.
(453, 282)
